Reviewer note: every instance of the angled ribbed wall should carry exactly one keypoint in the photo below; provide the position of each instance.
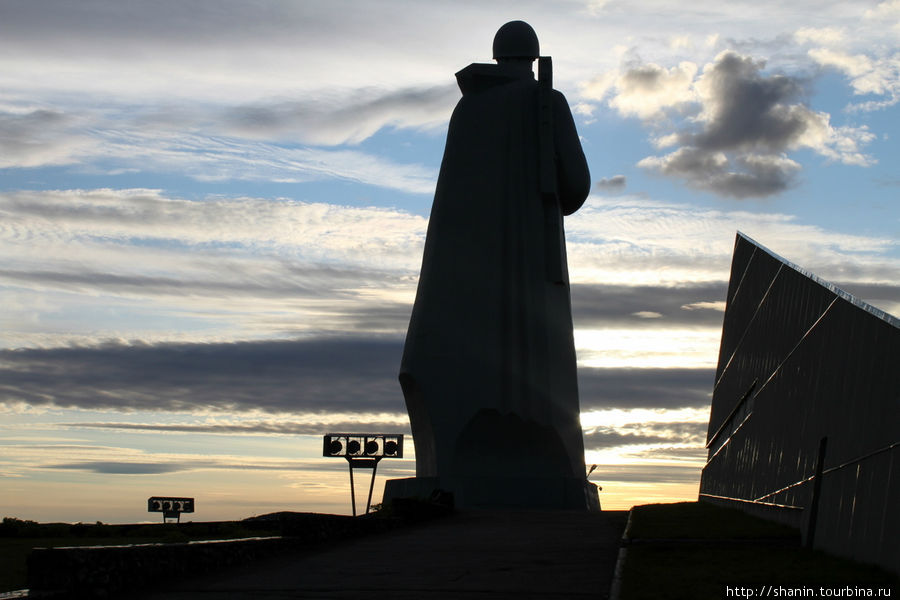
(801, 360)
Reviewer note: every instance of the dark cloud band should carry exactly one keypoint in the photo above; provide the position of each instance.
(337, 375)
(597, 305)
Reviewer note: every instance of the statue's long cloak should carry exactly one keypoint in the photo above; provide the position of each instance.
(488, 369)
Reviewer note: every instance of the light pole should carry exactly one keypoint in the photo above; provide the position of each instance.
(363, 451)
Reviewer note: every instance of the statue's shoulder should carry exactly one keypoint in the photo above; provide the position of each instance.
(559, 98)
(481, 77)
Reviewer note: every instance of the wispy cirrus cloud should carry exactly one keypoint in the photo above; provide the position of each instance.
(170, 268)
(139, 217)
(187, 145)
(210, 158)
(311, 424)
(635, 241)
(344, 118)
(216, 268)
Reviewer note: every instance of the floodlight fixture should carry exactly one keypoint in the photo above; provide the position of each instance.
(363, 450)
(372, 445)
(171, 508)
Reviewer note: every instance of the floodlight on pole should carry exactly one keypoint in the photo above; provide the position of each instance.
(171, 508)
(362, 450)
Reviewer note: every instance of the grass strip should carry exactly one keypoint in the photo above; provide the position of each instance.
(695, 550)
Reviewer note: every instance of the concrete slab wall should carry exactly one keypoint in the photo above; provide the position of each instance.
(801, 360)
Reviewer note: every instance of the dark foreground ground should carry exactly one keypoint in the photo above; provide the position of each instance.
(682, 550)
(18, 538)
(478, 554)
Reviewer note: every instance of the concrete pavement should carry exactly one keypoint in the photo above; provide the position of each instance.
(471, 554)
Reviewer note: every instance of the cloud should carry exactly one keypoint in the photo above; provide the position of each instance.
(226, 94)
(872, 76)
(229, 261)
(643, 473)
(112, 467)
(889, 9)
(156, 458)
(201, 50)
(716, 306)
(743, 109)
(313, 424)
(119, 468)
(607, 388)
(884, 296)
(259, 143)
(819, 35)
(740, 177)
(209, 158)
(648, 90)
(321, 376)
(732, 121)
(141, 264)
(143, 285)
(637, 434)
(854, 65)
(339, 120)
(596, 306)
(696, 454)
(632, 241)
(748, 121)
(616, 183)
(41, 137)
(147, 463)
(871, 66)
(302, 377)
(311, 229)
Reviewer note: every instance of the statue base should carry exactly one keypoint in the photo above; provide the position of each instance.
(550, 493)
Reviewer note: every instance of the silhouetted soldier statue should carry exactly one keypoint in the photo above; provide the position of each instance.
(488, 369)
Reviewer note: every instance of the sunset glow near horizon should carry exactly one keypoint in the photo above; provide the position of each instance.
(212, 216)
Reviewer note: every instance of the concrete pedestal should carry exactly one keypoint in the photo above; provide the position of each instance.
(502, 492)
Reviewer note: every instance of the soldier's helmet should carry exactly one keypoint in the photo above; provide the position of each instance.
(516, 39)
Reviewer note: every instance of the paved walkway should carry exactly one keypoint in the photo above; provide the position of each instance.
(473, 554)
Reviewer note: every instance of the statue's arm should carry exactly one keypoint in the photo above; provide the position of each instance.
(573, 176)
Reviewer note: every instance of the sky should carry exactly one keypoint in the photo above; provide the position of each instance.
(212, 215)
